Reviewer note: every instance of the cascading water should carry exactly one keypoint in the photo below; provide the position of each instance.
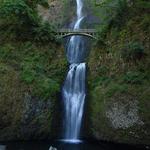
(74, 87)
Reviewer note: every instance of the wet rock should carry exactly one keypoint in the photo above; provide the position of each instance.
(35, 117)
(32, 120)
(118, 119)
(123, 114)
(52, 148)
(2, 147)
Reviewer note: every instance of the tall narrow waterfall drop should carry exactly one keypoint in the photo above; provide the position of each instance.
(73, 91)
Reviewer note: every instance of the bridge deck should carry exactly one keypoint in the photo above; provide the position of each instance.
(62, 33)
(76, 31)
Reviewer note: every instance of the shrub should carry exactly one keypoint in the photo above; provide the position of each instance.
(101, 35)
(18, 10)
(46, 87)
(116, 88)
(6, 52)
(34, 3)
(132, 51)
(21, 18)
(120, 14)
(3, 68)
(28, 76)
(142, 4)
(134, 77)
(103, 70)
(103, 80)
(114, 15)
(44, 33)
(145, 23)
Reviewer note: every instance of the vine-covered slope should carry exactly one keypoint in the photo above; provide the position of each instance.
(118, 77)
(32, 69)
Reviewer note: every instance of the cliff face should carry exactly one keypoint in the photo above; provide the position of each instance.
(118, 79)
(54, 13)
(30, 84)
(32, 70)
(59, 12)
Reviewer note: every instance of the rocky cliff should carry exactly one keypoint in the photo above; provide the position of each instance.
(30, 84)
(118, 78)
(32, 70)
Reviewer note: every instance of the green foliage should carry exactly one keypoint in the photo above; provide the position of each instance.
(43, 86)
(145, 23)
(39, 68)
(28, 75)
(34, 3)
(44, 33)
(46, 87)
(103, 70)
(142, 4)
(120, 14)
(101, 34)
(20, 18)
(114, 88)
(6, 52)
(132, 51)
(116, 14)
(127, 79)
(35, 71)
(103, 80)
(134, 77)
(3, 68)
(112, 14)
(18, 9)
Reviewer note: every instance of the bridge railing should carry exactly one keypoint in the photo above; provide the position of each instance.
(77, 30)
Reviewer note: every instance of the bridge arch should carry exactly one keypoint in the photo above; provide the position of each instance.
(63, 33)
(80, 34)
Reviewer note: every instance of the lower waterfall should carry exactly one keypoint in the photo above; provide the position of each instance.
(74, 96)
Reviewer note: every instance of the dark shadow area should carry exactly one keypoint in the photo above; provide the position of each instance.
(85, 145)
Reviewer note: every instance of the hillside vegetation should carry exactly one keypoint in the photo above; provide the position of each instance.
(119, 72)
(32, 69)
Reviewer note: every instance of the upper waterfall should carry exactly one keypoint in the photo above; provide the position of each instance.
(76, 48)
(79, 9)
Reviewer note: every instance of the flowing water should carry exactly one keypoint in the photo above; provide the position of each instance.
(74, 86)
(76, 49)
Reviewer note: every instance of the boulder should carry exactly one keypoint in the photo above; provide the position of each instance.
(52, 148)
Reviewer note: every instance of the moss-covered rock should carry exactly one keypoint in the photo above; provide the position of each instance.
(31, 76)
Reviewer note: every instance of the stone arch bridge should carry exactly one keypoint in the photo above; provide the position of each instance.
(63, 33)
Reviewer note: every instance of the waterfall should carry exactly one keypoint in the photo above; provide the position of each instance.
(73, 91)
